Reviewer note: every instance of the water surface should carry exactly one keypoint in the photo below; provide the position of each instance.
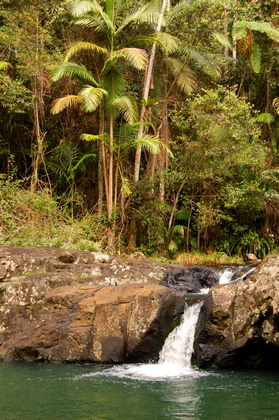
(47, 391)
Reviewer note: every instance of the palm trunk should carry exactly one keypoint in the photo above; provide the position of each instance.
(146, 90)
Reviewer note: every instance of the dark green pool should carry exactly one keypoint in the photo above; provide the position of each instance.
(45, 391)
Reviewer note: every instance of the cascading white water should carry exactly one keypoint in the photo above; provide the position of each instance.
(175, 357)
(226, 276)
(178, 347)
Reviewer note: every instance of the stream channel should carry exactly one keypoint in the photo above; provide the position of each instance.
(168, 389)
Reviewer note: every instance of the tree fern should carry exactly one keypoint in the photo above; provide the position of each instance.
(240, 29)
(256, 58)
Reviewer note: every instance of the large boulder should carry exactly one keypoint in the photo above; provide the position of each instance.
(55, 305)
(238, 325)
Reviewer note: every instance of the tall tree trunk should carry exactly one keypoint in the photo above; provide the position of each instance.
(146, 90)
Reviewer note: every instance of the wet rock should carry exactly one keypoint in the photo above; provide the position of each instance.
(238, 325)
(192, 279)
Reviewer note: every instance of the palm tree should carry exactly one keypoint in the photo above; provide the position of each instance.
(110, 22)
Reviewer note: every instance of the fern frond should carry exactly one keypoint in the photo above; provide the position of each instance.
(79, 46)
(72, 69)
(244, 45)
(241, 28)
(60, 104)
(256, 58)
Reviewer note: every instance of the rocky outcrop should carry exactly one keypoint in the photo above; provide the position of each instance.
(67, 305)
(96, 267)
(238, 325)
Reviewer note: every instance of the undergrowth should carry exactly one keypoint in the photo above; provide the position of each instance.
(35, 219)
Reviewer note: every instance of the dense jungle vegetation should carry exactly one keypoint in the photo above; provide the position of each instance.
(131, 125)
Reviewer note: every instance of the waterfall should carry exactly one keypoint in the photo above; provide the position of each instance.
(175, 356)
(178, 347)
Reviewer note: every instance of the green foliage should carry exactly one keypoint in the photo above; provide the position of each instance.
(29, 219)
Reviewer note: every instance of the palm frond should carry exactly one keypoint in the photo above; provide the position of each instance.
(136, 56)
(178, 8)
(275, 104)
(127, 107)
(140, 40)
(185, 77)
(113, 82)
(91, 98)
(167, 42)
(144, 14)
(72, 69)
(206, 62)
(93, 137)
(81, 160)
(60, 104)
(152, 144)
(4, 65)
(79, 46)
(223, 40)
(80, 8)
(178, 230)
